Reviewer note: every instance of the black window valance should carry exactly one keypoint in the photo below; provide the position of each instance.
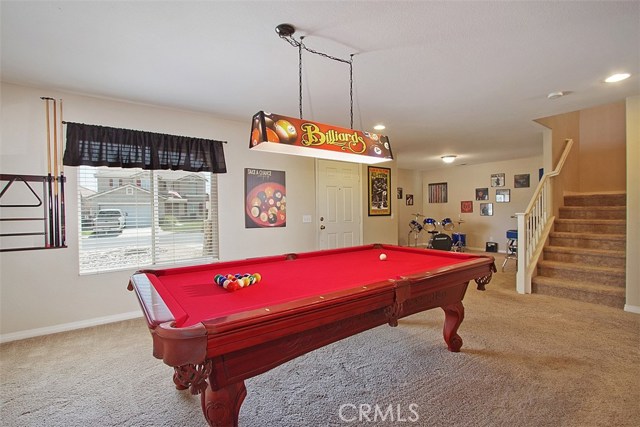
(94, 145)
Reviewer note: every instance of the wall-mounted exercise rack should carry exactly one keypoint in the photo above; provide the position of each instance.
(32, 211)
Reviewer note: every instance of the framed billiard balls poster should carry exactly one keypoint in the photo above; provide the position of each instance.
(379, 183)
(265, 198)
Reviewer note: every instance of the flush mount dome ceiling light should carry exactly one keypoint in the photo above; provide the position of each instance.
(448, 159)
(617, 77)
(555, 95)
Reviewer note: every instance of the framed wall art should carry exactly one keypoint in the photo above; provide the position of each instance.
(466, 206)
(438, 192)
(265, 196)
(482, 193)
(409, 200)
(503, 196)
(497, 180)
(521, 181)
(379, 183)
(486, 209)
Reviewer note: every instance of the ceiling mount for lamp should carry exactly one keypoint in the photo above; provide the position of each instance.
(285, 30)
(286, 135)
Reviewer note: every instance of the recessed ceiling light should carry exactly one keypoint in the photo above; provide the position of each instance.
(617, 77)
(448, 159)
(379, 127)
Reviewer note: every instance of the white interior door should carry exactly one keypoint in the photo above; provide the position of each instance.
(339, 204)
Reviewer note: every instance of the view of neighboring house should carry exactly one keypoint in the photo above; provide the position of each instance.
(180, 196)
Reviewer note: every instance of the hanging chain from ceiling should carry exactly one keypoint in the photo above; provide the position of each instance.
(301, 46)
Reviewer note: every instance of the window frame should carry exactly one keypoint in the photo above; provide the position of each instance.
(207, 218)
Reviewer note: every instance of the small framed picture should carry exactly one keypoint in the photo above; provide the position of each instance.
(399, 192)
(438, 192)
(521, 181)
(409, 200)
(482, 193)
(466, 206)
(503, 196)
(486, 209)
(497, 180)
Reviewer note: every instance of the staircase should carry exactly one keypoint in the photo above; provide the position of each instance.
(585, 257)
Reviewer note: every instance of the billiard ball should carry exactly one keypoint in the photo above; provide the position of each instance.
(375, 150)
(286, 132)
(383, 257)
(272, 136)
(268, 191)
(255, 137)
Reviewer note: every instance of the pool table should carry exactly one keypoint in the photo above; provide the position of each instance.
(215, 339)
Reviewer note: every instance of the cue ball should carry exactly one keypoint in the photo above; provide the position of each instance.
(383, 257)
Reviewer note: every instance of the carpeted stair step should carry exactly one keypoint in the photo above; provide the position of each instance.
(587, 292)
(593, 212)
(597, 257)
(588, 240)
(606, 199)
(610, 276)
(605, 226)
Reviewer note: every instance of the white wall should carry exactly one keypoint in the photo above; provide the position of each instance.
(633, 204)
(411, 183)
(461, 184)
(41, 291)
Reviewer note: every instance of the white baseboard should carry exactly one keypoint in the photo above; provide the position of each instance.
(632, 308)
(15, 336)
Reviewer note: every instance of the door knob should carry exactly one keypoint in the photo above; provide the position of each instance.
(322, 227)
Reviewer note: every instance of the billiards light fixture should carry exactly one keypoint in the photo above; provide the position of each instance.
(449, 158)
(275, 133)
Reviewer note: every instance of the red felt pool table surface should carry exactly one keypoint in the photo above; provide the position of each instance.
(192, 295)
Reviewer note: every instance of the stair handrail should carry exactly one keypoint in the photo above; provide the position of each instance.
(534, 225)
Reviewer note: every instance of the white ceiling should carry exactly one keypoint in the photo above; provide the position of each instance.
(463, 78)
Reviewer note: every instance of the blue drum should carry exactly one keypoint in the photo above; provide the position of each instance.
(430, 224)
(447, 224)
(459, 239)
(415, 226)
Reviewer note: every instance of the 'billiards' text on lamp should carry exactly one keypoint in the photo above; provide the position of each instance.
(287, 135)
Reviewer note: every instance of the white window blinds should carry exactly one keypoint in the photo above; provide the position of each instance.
(134, 218)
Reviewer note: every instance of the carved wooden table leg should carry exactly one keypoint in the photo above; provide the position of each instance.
(454, 314)
(221, 407)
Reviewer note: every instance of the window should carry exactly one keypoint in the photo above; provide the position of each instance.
(153, 217)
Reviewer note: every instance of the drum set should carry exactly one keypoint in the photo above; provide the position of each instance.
(441, 241)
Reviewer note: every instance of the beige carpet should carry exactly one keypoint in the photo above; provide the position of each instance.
(526, 361)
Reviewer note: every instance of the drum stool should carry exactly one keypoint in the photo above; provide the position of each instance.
(512, 247)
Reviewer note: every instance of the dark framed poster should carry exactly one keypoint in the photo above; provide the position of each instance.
(521, 181)
(379, 183)
(482, 193)
(438, 192)
(265, 196)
